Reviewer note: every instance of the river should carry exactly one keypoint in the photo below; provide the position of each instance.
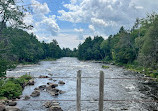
(115, 89)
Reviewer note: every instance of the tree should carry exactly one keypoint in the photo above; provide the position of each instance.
(149, 50)
(11, 13)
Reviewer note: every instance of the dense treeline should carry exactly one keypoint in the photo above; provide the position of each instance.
(137, 48)
(18, 46)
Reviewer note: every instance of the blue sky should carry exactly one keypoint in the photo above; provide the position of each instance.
(71, 21)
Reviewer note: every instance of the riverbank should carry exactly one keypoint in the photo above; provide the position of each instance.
(11, 88)
(148, 72)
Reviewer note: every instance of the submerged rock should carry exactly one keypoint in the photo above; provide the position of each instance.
(50, 78)
(26, 97)
(50, 74)
(61, 82)
(61, 92)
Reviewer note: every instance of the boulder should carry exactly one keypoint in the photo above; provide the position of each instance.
(43, 76)
(12, 103)
(26, 97)
(2, 107)
(61, 92)
(42, 87)
(55, 108)
(50, 103)
(50, 74)
(52, 85)
(12, 109)
(50, 78)
(31, 82)
(61, 82)
(36, 88)
(35, 93)
(52, 91)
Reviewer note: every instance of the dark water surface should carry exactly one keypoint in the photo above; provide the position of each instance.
(115, 89)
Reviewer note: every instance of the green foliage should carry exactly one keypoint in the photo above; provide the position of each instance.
(12, 88)
(105, 67)
(3, 67)
(90, 49)
(12, 13)
(22, 47)
(23, 79)
(149, 50)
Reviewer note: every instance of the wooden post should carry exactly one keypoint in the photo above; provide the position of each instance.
(78, 91)
(101, 91)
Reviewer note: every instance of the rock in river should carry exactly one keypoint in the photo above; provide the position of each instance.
(12, 103)
(35, 93)
(61, 82)
(53, 106)
(43, 76)
(31, 82)
(26, 97)
(2, 107)
(12, 109)
(52, 85)
(42, 87)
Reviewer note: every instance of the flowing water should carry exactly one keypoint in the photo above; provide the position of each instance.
(115, 89)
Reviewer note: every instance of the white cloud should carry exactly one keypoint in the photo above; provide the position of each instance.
(43, 25)
(49, 25)
(110, 14)
(28, 19)
(39, 8)
(78, 30)
(99, 22)
(91, 27)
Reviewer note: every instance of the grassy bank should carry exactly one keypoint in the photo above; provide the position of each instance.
(149, 72)
(139, 69)
(12, 88)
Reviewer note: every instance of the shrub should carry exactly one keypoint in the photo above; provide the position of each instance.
(105, 67)
(10, 90)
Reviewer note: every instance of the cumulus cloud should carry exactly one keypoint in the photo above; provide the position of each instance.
(99, 22)
(78, 30)
(91, 27)
(110, 14)
(42, 24)
(28, 19)
(40, 8)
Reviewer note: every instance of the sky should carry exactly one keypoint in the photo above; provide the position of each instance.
(71, 21)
